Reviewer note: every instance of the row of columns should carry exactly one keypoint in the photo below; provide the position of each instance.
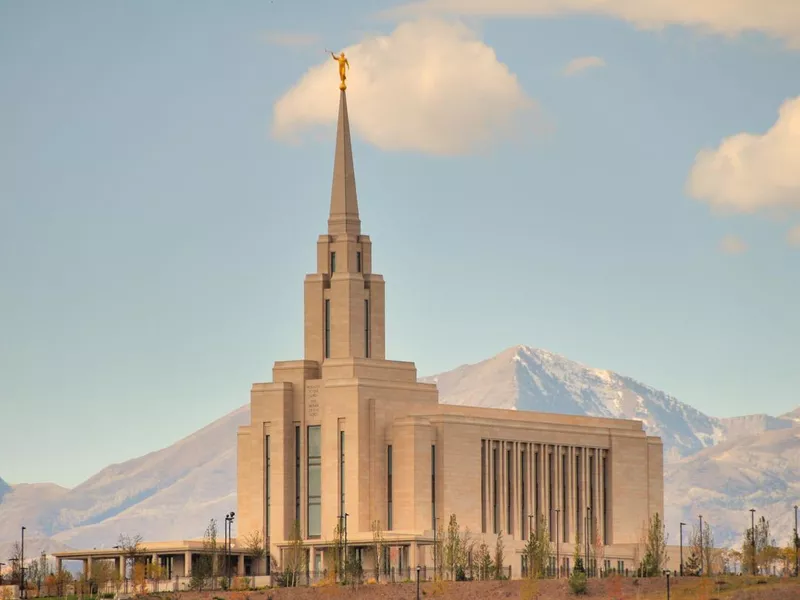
(582, 470)
(120, 563)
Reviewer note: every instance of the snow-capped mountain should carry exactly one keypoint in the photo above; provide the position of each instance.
(723, 483)
(173, 492)
(524, 378)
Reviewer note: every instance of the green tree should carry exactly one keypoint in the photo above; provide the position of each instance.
(537, 549)
(655, 548)
(484, 560)
(454, 550)
(499, 556)
(702, 543)
(692, 566)
(255, 547)
(295, 555)
(203, 570)
(380, 547)
(577, 553)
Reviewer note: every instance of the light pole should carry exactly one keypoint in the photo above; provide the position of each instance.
(666, 572)
(418, 568)
(795, 541)
(558, 550)
(225, 547)
(22, 566)
(682, 526)
(228, 545)
(753, 540)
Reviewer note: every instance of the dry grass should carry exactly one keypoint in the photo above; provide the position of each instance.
(689, 588)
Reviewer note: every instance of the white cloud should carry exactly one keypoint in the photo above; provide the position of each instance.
(429, 86)
(751, 172)
(793, 237)
(731, 244)
(576, 65)
(284, 38)
(777, 18)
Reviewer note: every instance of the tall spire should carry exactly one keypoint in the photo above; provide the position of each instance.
(344, 202)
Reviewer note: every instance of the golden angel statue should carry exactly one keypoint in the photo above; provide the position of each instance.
(342, 60)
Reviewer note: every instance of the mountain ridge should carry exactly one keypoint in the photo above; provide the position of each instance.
(171, 493)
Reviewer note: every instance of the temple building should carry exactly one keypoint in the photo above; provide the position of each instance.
(346, 437)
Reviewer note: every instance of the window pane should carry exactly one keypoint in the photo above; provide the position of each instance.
(314, 442)
(314, 520)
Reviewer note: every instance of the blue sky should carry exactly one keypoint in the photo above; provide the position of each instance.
(154, 233)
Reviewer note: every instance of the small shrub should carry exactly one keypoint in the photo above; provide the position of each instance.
(578, 582)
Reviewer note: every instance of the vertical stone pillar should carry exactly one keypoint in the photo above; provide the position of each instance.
(240, 565)
(121, 563)
(187, 564)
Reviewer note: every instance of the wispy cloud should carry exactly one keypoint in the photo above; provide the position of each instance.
(429, 86)
(732, 244)
(576, 65)
(285, 38)
(776, 18)
(750, 172)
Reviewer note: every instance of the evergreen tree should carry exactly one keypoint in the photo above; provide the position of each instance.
(692, 566)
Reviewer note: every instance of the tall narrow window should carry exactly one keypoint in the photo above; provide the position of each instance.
(433, 485)
(327, 328)
(266, 486)
(564, 497)
(606, 524)
(366, 328)
(341, 473)
(358, 262)
(333, 262)
(483, 486)
(592, 504)
(509, 491)
(297, 473)
(314, 523)
(523, 469)
(578, 501)
(537, 491)
(495, 505)
(389, 488)
(551, 468)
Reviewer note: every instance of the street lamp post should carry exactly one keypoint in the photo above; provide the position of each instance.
(22, 593)
(558, 550)
(229, 545)
(682, 526)
(225, 547)
(753, 540)
(795, 541)
(418, 568)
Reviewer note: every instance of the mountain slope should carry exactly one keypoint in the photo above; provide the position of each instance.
(722, 483)
(525, 378)
(170, 491)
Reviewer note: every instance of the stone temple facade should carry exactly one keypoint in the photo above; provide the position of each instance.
(348, 437)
